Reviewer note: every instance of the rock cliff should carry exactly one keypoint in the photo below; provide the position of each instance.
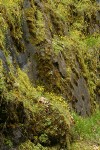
(57, 45)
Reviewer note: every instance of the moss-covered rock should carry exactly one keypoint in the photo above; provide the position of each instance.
(46, 40)
(57, 45)
(29, 113)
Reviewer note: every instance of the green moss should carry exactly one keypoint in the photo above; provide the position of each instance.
(30, 146)
(10, 14)
(54, 27)
(36, 24)
(2, 78)
(2, 31)
(66, 30)
(46, 113)
(8, 143)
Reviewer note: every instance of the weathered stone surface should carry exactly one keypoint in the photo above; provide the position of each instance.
(60, 63)
(42, 50)
(81, 97)
(4, 61)
(55, 43)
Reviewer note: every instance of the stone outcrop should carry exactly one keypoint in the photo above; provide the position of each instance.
(28, 117)
(57, 45)
(42, 42)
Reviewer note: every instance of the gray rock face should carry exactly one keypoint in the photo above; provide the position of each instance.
(80, 93)
(60, 63)
(25, 59)
(26, 4)
(4, 61)
(2, 56)
(98, 1)
(81, 98)
(22, 59)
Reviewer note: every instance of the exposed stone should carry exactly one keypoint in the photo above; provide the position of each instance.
(32, 50)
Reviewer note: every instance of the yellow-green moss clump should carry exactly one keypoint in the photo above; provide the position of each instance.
(45, 118)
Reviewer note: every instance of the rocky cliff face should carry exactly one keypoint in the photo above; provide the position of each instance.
(57, 44)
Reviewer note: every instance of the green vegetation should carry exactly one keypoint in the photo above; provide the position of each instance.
(68, 32)
(66, 39)
(45, 113)
(30, 146)
(86, 132)
(87, 128)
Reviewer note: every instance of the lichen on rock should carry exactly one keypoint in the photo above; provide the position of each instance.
(57, 45)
